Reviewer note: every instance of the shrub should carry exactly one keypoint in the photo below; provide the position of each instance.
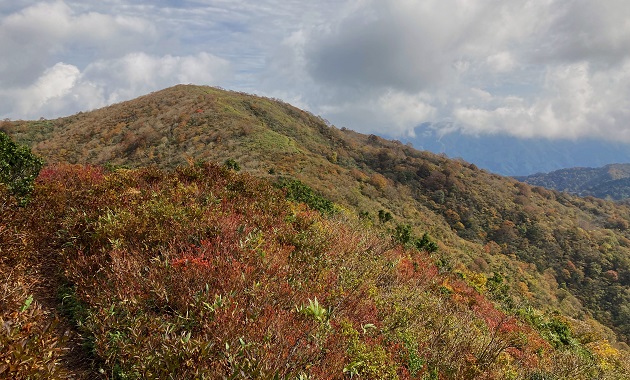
(231, 164)
(32, 345)
(426, 244)
(402, 234)
(206, 273)
(384, 216)
(299, 192)
(18, 167)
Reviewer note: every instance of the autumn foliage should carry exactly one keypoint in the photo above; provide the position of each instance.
(202, 272)
(330, 254)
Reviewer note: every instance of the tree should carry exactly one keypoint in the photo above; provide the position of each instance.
(402, 234)
(18, 168)
(426, 244)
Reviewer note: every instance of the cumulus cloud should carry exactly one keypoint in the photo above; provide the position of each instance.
(575, 101)
(394, 109)
(415, 46)
(59, 58)
(433, 49)
(138, 73)
(554, 69)
(63, 87)
(55, 83)
(35, 38)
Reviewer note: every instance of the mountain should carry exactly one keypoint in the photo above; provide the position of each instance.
(421, 266)
(610, 181)
(512, 156)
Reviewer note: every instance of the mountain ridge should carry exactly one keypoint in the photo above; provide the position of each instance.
(609, 181)
(553, 251)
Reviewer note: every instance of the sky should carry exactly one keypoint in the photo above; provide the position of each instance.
(557, 69)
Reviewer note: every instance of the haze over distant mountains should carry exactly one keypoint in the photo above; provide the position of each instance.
(511, 156)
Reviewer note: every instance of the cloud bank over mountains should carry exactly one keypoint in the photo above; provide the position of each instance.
(556, 69)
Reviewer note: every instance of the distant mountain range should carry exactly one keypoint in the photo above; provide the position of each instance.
(611, 181)
(520, 157)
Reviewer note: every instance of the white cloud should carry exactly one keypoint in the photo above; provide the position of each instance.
(42, 34)
(394, 109)
(404, 110)
(64, 89)
(56, 82)
(501, 62)
(553, 68)
(415, 46)
(139, 73)
(60, 58)
(576, 101)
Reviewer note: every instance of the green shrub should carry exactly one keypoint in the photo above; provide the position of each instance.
(18, 167)
(403, 235)
(384, 216)
(299, 192)
(426, 244)
(231, 164)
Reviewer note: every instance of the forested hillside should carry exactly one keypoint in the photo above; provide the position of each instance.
(608, 182)
(550, 270)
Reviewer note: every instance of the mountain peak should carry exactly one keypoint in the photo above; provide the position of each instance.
(486, 224)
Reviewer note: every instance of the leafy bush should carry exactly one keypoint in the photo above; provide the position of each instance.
(29, 335)
(403, 235)
(231, 164)
(297, 191)
(206, 273)
(18, 167)
(426, 244)
(384, 216)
